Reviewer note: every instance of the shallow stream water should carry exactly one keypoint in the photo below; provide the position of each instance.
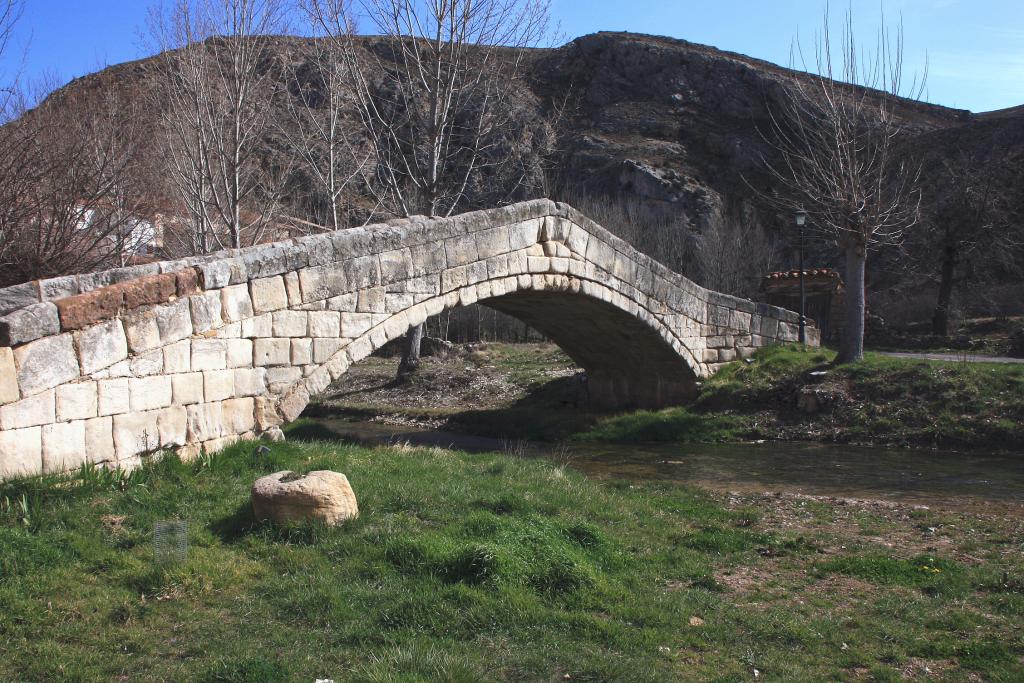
(906, 476)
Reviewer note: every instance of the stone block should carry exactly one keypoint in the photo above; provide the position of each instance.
(324, 324)
(29, 412)
(396, 265)
(45, 363)
(239, 353)
(209, 354)
(370, 300)
(113, 396)
(268, 294)
(82, 310)
(18, 296)
(710, 356)
(259, 326)
(186, 282)
(271, 352)
(355, 324)
(235, 303)
(149, 363)
(538, 264)
(292, 288)
(292, 405)
(322, 282)
(64, 446)
(250, 382)
(238, 416)
(8, 377)
(454, 278)
(21, 452)
(740, 321)
(281, 379)
(397, 302)
(218, 385)
(266, 413)
(524, 233)
(178, 357)
(172, 426)
(726, 355)
(427, 259)
(206, 311)
(149, 393)
(174, 321)
(302, 351)
(577, 240)
(187, 388)
(28, 324)
(76, 401)
(460, 250)
(323, 349)
(101, 346)
(342, 302)
(142, 332)
(149, 289)
(215, 274)
(361, 273)
(318, 381)
(205, 422)
(291, 323)
(99, 440)
(135, 433)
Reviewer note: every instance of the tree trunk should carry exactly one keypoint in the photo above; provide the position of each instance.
(851, 344)
(411, 352)
(940, 319)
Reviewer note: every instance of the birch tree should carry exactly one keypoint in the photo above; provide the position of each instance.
(431, 95)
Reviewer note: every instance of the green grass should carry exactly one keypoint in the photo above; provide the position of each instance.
(888, 401)
(468, 567)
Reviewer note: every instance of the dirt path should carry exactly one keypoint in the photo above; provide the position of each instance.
(953, 357)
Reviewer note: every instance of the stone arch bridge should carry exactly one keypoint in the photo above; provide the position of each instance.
(194, 354)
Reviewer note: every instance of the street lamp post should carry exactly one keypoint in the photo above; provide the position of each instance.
(801, 218)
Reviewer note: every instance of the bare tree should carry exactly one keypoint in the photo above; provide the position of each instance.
(214, 88)
(836, 134)
(316, 128)
(431, 96)
(962, 231)
(68, 198)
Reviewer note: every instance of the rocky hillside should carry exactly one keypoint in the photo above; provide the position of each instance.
(669, 125)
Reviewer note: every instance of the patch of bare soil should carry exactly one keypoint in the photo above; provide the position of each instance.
(472, 376)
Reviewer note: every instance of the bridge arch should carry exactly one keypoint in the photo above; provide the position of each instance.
(194, 354)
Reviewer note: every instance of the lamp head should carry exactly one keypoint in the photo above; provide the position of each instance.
(801, 218)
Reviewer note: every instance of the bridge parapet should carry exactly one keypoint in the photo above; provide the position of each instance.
(193, 354)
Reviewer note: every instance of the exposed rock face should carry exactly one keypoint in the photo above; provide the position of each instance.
(674, 124)
(289, 497)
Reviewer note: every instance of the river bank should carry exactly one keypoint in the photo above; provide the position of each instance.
(467, 567)
(533, 391)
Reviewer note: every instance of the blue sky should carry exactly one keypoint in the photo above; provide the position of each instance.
(975, 48)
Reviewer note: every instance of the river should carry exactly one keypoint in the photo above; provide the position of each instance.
(920, 477)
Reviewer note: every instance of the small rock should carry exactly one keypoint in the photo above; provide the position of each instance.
(696, 621)
(289, 497)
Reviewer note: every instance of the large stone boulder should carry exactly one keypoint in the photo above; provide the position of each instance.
(290, 497)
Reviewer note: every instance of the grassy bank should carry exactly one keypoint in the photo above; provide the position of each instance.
(880, 400)
(467, 568)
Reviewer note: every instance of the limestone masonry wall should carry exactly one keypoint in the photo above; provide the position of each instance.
(194, 354)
